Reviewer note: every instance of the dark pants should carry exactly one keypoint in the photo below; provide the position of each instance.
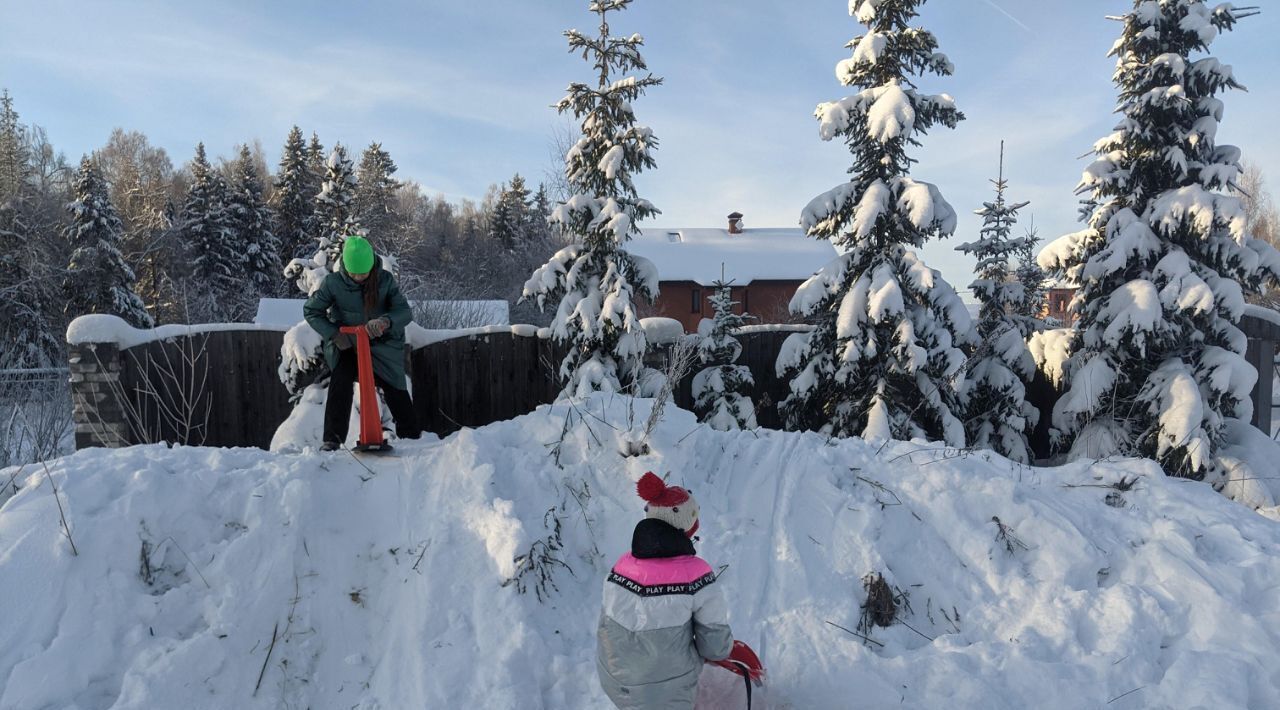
(337, 409)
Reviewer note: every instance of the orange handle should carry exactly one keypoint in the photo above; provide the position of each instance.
(370, 418)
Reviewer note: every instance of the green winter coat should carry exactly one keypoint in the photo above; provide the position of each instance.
(340, 302)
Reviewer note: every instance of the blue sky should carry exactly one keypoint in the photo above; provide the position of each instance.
(460, 91)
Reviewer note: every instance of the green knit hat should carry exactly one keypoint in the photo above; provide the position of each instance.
(357, 255)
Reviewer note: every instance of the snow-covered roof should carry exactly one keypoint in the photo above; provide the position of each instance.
(752, 255)
(288, 311)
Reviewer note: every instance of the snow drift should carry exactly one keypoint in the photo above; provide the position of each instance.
(399, 585)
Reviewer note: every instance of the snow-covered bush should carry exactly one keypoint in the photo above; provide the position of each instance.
(720, 391)
(884, 355)
(1158, 367)
(998, 415)
(595, 281)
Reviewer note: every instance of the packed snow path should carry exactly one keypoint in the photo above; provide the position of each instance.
(384, 588)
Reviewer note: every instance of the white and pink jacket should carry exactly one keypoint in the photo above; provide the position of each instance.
(662, 616)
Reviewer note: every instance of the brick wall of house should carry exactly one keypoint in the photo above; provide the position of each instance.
(689, 302)
(1056, 303)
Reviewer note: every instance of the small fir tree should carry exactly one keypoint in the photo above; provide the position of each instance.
(998, 415)
(1032, 278)
(720, 390)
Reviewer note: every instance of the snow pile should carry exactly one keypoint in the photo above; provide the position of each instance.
(398, 585)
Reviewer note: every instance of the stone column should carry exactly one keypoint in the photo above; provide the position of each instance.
(97, 412)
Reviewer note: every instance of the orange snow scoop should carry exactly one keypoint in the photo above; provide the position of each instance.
(744, 662)
(370, 418)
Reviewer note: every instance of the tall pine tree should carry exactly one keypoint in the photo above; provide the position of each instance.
(509, 222)
(253, 224)
(26, 338)
(295, 198)
(1158, 366)
(375, 196)
(884, 355)
(540, 215)
(595, 280)
(97, 279)
(998, 414)
(335, 205)
(216, 262)
(1032, 278)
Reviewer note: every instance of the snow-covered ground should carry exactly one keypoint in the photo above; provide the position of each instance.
(384, 587)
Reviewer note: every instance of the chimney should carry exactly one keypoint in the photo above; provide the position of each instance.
(735, 223)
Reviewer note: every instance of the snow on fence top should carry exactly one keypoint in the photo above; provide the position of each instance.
(103, 328)
(1262, 313)
(468, 314)
(418, 337)
(774, 328)
(752, 255)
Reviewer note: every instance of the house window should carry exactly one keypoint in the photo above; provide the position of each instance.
(697, 301)
(746, 300)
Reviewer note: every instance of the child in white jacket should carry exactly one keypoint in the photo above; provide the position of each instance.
(663, 615)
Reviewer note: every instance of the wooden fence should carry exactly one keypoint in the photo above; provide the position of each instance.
(162, 391)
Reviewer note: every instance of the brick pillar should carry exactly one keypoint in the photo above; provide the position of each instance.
(95, 384)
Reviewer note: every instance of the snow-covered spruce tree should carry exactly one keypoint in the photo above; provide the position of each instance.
(540, 215)
(335, 205)
(294, 198)
(97, 280)
(1157, 368)
(997, 413)
(253, 224)
(375, 196)
(1032, 278)
(595, 280)
(509, 223)
(721, 390)
(216, 262)
(26, 338)
(501, 228)
(884, 356)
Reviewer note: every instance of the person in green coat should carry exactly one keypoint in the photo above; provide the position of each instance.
(362, 293)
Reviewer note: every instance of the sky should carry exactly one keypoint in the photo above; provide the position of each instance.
(461, 92)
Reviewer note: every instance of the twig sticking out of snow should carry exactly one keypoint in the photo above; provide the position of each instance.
(1004, 534)
(275, 633)
(66, 529)
(1131, 692)
(540, 561)
(867, 639)
(421, 554)
(881, 487)
(9, 484)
